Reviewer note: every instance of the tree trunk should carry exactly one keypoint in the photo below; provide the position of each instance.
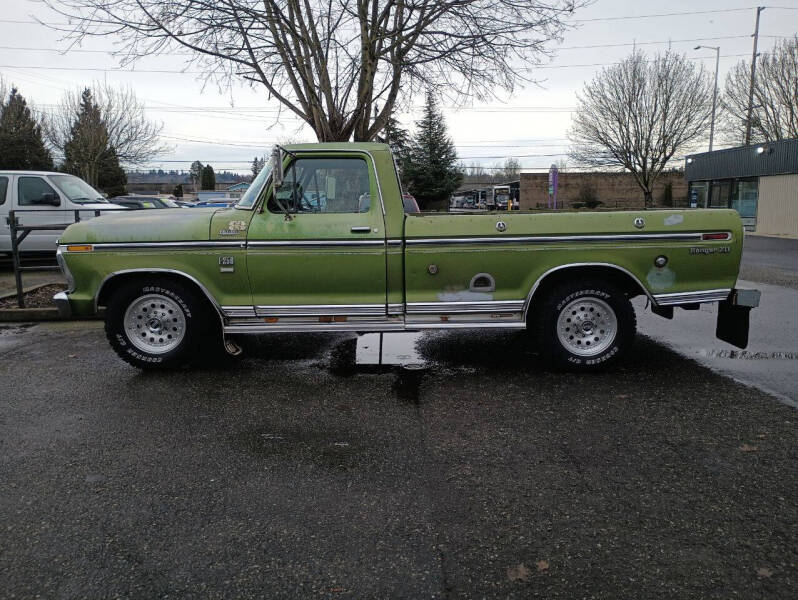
(649, 198)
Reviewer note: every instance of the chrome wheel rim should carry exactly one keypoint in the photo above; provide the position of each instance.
(155, 324)
(587, 326)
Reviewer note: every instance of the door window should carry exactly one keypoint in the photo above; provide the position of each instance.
(698, 194)
(720, 194)
(3, 189)
(324, 185)
(35, 191)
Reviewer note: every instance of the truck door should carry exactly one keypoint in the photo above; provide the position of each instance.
(38, 203)
(318, 248)
(5, 204)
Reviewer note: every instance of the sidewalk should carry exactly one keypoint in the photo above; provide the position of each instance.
(778, 236)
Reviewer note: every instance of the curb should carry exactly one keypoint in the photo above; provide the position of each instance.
(29, 314)
(16, 315)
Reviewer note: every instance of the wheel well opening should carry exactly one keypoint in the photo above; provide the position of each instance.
(615, 277)
(117, 281)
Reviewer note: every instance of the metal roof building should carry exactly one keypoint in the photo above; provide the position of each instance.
(760, 181)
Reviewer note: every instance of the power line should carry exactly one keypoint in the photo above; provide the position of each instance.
(592, 20)
(659, 15)
(588, 47)
(636, 43)
(176, 72)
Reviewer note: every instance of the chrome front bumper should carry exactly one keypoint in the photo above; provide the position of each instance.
(61, 300)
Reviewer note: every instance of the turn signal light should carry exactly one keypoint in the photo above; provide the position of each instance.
(81, 248)
(716, 236)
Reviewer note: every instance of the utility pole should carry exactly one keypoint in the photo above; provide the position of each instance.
(714, 92)
(759, 10)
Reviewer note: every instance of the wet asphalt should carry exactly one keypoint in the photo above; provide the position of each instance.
(297, 473)
(770, 260)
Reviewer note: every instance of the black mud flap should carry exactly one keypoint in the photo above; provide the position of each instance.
(666, 312)
(733, 324)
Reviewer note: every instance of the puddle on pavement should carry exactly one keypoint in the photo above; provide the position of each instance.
(390, 349)
(747, 355)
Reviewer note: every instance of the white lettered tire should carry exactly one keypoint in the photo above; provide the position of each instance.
(159, 323)
(584, 325)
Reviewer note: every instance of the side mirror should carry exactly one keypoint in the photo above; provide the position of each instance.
(50, 199)
(278, 176)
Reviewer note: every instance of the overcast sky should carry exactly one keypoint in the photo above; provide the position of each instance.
(227, 128)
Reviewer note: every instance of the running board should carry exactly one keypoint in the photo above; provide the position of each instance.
(364, 327)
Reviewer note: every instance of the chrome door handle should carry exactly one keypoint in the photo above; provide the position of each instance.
(361, 230)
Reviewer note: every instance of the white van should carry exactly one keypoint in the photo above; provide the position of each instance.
(44, 198)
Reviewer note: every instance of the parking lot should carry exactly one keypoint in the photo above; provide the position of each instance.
(297, 471)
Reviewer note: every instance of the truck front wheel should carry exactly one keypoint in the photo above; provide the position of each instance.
(584, 326)
(159, 323)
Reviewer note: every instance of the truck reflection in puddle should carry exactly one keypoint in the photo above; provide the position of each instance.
(390, 349)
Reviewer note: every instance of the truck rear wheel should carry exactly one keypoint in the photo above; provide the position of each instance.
(584, 326)
(159, 323)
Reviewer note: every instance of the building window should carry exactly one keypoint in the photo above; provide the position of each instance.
(698, 194)
(740, 194)
(720, 193)
(745, 197)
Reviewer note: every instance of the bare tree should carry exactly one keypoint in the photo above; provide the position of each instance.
(512, 169)
(331, 62)
(639, 113)
(4, 91)
(775, 113)
(134, 137)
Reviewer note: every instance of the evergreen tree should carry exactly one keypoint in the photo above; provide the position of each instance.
(208, 178)
(257, 166)
(112, 178)
(397, 138)
(21, 142)
(431, 169)
(86, 151)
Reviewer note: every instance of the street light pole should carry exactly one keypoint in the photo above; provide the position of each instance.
(714, 92)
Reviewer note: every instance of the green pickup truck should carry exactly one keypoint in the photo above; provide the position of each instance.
(321, 242)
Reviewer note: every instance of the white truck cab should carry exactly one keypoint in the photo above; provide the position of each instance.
(44, 198)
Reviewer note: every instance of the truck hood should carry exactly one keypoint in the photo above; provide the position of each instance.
(157, 225)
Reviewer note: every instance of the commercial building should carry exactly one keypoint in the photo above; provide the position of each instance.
(759, 181)
(606, 190)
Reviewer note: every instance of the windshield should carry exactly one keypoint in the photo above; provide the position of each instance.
(77, 190)
(253, 191)
(169, 203)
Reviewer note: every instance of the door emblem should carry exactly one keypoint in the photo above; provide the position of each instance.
(640, 222)
(501, 226)
(234, 228)
(227, 264)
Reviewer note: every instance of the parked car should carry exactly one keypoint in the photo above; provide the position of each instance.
(44, 198)
(273, 264)
(146, 202)
(220, 203)
(410, 204)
